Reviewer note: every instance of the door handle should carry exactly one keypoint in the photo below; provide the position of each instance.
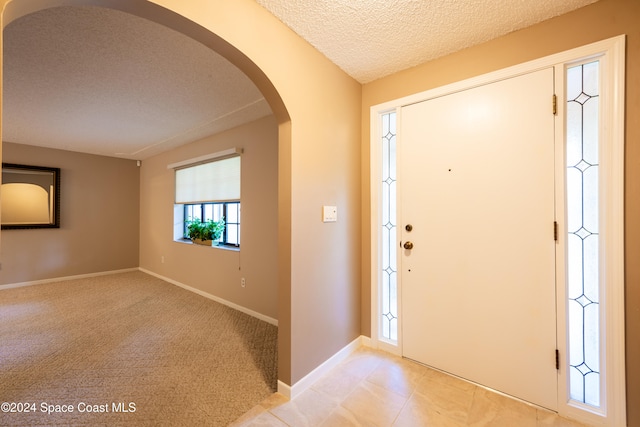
(408, 245)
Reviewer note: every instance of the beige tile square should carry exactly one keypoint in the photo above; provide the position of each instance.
(337, 384)
(494, 409)
(419, 412)
(341, 417)
(374, 405)
(362, 362)
(435, 377)
(258, 418)
(398, 375)
(450, 397)
(309, 409)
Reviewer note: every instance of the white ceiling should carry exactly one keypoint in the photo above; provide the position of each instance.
(370, 39)
(105, 82)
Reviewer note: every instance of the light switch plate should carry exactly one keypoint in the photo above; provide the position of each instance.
(329, 213)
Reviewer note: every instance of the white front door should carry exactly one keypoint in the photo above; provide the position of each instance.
(477, 194)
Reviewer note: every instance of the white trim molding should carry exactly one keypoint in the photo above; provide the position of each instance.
(62, 279)
(611, 54)
(308, 380)
(223, 301)
(231, 152)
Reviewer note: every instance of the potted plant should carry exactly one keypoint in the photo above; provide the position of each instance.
(205, 233)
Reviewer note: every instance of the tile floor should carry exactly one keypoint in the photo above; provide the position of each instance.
(374, 388)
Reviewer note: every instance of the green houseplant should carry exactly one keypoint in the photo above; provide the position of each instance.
(204, 233)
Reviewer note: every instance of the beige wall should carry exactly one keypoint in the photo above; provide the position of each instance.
(601, 20)
(99, 210)
(319, 153)
(215, 270)
(321, 278)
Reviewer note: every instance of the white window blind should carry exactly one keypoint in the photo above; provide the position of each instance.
(216, 181)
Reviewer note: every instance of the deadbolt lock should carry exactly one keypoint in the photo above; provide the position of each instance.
(408, 227)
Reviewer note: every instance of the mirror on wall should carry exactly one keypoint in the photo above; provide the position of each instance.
(29, 197)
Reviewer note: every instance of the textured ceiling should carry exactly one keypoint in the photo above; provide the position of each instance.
(105, 82)
(370, 39)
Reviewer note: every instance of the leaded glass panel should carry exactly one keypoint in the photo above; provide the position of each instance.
(582, 180)
(389, 273)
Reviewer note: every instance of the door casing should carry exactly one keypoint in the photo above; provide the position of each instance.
(611, 53)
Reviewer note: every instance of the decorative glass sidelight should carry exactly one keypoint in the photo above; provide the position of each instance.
(583, 284)
(389, 270)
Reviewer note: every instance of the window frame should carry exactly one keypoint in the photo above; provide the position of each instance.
(224, 241)
(180, 214)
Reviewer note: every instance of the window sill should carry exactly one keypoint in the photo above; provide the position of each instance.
(223, 247)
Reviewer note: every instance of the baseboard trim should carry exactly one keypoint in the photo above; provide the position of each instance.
(62, 279)
(284, 389)
(308, 380)
(223, 301)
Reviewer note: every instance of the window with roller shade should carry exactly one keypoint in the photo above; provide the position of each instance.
(211, 191)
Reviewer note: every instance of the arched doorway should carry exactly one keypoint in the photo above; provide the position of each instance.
(13, 10)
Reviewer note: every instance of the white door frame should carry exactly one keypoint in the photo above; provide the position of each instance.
(611, 53)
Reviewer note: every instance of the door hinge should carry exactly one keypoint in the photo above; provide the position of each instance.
(557, 359)
(555, 105)
(555, 231)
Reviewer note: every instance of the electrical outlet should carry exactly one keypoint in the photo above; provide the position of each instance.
(243, 282)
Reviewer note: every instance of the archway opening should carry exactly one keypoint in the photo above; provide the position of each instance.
(15, 9)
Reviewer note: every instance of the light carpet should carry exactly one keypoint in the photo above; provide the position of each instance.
(129, 342)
